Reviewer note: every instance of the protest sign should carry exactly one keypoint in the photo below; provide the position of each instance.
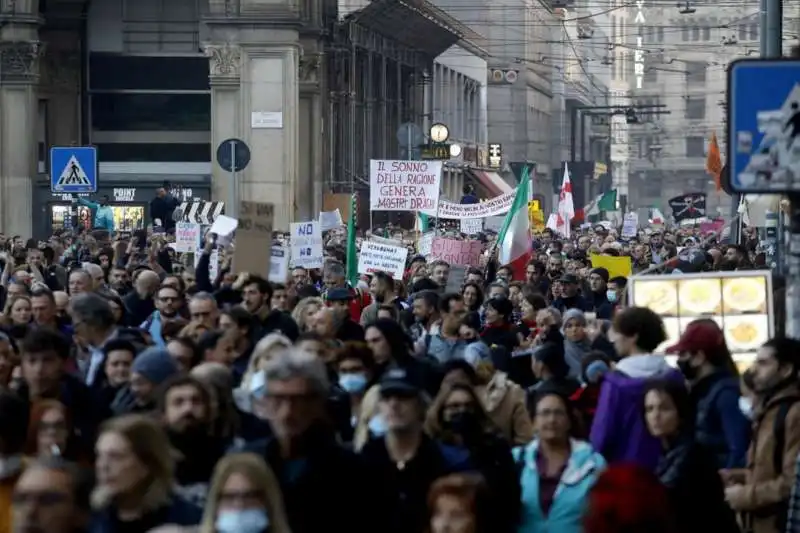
(254, 238)
(425, 244)
(279, 265)
(187, 235)
(306, 242)
(471, 226)
(630, 225)
(329, 220)
(493, 223)
(616, 266)
(498, 205)
(404, 185)
(456, 252)
(377, 257)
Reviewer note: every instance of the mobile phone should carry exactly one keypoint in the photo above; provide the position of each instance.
(140, 237)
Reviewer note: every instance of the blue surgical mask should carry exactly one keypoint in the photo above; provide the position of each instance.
(353, 383)
(242, 521)
(611, 296)
(258, 385)
(377, 426)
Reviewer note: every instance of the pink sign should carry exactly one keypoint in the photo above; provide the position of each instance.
(712, 227)
(457, 252)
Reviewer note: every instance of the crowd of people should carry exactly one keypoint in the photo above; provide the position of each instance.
(138, 394)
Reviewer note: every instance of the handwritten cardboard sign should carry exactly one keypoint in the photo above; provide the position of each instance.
(456, 252)
(254, 238)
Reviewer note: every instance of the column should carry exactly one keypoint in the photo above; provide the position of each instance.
(226, 117)
(19, 76)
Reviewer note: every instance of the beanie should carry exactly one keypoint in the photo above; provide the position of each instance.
(155, 364)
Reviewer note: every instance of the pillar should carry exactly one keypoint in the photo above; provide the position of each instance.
(20, 52)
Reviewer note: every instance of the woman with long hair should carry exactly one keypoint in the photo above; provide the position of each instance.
(305, 310)
(457, 418)
(135, 479)
(686, 468)
(244, 497)
(707, 364)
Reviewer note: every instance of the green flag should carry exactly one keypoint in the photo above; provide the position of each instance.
(423, 222)
(608, 202)
(352, 252)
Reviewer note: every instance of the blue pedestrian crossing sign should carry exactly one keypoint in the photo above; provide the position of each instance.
(73, 169)
(764, 125)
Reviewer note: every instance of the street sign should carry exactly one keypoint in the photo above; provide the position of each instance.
(73, 169)
(437, 151)
(233, 155)
(764, 125)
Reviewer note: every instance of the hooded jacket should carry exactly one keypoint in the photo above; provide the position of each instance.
(619, 431)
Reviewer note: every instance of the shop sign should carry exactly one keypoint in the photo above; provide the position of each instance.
(182, 193)
(124, 194)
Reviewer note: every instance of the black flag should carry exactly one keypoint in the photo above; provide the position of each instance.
(688, 206)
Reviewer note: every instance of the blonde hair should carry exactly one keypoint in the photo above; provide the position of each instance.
(150, 444)
(299, 312)
(263, 479)
(265, 349)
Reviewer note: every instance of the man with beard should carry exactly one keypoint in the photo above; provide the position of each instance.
(186, 411)
(383, 292)
(168, 301)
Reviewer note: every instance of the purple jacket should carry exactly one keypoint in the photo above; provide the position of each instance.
(619, 431)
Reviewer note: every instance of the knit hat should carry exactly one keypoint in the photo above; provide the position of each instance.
(573, 314)
(155, 364)
(602, 272)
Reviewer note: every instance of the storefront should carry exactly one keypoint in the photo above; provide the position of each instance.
(129, 197)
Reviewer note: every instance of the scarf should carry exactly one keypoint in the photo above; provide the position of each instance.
(574, 352)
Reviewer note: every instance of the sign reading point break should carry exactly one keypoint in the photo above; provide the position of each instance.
(404, 185)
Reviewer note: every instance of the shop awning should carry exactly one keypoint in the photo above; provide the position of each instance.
(491, 181)
(417, 24)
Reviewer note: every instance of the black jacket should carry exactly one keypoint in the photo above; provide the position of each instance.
(325, 473)
(690, 475)
(162, 208)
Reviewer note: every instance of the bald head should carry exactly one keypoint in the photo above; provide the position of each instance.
(147, 283)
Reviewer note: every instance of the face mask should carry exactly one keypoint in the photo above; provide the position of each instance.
(464, 423)
(353, 383)
(686, 368)
(258, 385)
(746, 407)
(377, 426)
(244, 521)
(611, 296)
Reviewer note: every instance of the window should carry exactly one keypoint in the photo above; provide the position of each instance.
(161, 26)
(695, 33)
(743, 32)
(695, 147)
(753, 32)
(707, 33)
(151, 112)
(684, 34)
(695, 72)
(148, 152)
(118, 72)
(696, 108)
(660, 34)
(41, 138)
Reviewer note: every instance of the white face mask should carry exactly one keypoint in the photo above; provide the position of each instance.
(242, 521)
(746, 407)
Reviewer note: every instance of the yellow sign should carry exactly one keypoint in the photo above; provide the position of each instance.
(616, 266)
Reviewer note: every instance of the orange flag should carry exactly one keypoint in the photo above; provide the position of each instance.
(714, 161)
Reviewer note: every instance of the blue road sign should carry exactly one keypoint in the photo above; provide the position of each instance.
(73, 169)
(764, 125)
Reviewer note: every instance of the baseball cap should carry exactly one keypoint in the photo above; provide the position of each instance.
(396, 382)
(569, 278)
(339, 294)
(699, 335)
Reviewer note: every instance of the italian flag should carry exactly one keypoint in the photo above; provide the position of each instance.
(514, 239)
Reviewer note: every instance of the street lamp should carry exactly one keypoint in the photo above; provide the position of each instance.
(439, 133)
(455, 150)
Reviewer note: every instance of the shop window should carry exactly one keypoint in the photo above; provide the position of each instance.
(126, 217)
(148, 152)
(695, 147)
(161, 25)
(151, 112)
(696, 108)
(115, 72)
